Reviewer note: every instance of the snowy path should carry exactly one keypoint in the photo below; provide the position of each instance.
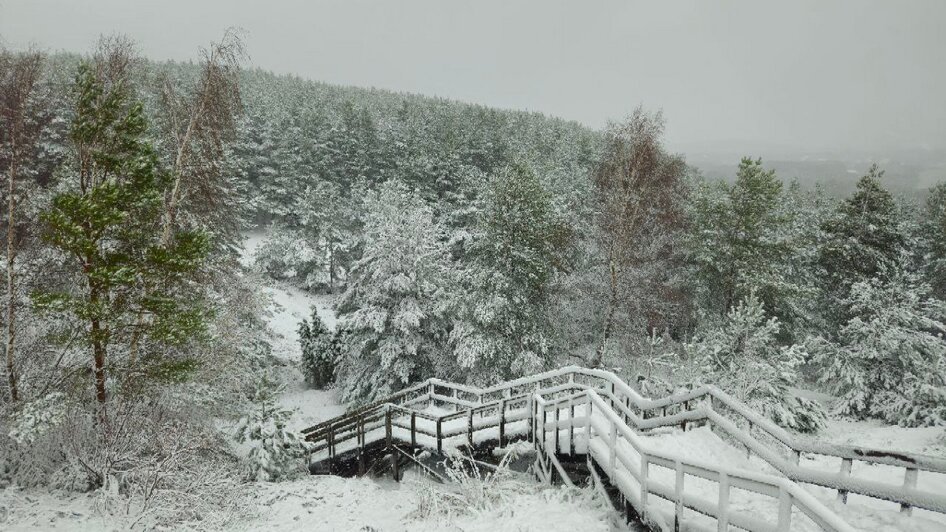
(289, 306)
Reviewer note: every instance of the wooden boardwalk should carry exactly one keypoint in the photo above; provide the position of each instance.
(576, 412)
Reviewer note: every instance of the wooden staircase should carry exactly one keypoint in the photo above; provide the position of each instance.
(575, 415)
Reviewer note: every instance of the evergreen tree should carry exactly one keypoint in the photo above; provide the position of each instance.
(743, 357)
(275, 451)
(319, 351)
(392, 315)
(107, 220)
(520, 244)
(741, 243)
(890, 357)
(862, 241)
(933, 235)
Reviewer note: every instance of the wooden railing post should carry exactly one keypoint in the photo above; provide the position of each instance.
(413, 430)
(784, 510)
(558, 410)
(612, 464)
(439, 435)
(678, 494)
(389, 443)
(645, 472)
(845, 474)
(571, 427)
(502, 423)
(588, 434)
(909, 483)
(331, 448)
(722, 521)
(360, 436)
(469, 428)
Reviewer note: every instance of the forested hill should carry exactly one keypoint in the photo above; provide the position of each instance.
(299, 137)
(299, 141)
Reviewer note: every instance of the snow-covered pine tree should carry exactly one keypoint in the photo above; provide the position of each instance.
(275, 450)
(519, 245)
(742, 356)
(890, 357)
(319, 351)
(933, 235)
(863, 240)
(392, 316)
(741, 241)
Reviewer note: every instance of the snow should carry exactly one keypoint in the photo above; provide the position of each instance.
(288, 307)
(333, 503)
(36, 509)
(871, 514)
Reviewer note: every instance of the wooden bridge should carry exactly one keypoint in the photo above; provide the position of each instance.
(594, 418)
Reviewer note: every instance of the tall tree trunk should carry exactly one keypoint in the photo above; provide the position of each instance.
(98, 352)
(331, 266)
(11, 205)
(609, 316)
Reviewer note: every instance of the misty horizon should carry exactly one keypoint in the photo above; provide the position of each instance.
(802, 78)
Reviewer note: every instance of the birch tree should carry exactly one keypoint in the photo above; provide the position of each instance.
(640, 192)
(198, 122)
(20, 127)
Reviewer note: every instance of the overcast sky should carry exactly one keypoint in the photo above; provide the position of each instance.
(801, 74)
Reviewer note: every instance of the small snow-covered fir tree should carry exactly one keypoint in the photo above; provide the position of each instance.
(36, 417)
(275, 450)
(890, 357)
(742, 356)
(289, 254)
(392, 315)
(319, 351)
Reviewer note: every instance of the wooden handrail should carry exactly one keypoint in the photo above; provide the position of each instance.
(634, 409)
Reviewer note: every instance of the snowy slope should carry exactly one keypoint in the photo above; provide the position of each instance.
(333, 503)
(289, 306)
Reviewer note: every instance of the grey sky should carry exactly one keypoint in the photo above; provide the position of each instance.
(801, 74)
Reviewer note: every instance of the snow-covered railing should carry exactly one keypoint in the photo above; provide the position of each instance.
(490, 407)
(610, 442)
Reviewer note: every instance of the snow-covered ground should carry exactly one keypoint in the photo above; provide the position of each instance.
(34, 509)
(363, 504)
(871, 514)
(289, 306)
